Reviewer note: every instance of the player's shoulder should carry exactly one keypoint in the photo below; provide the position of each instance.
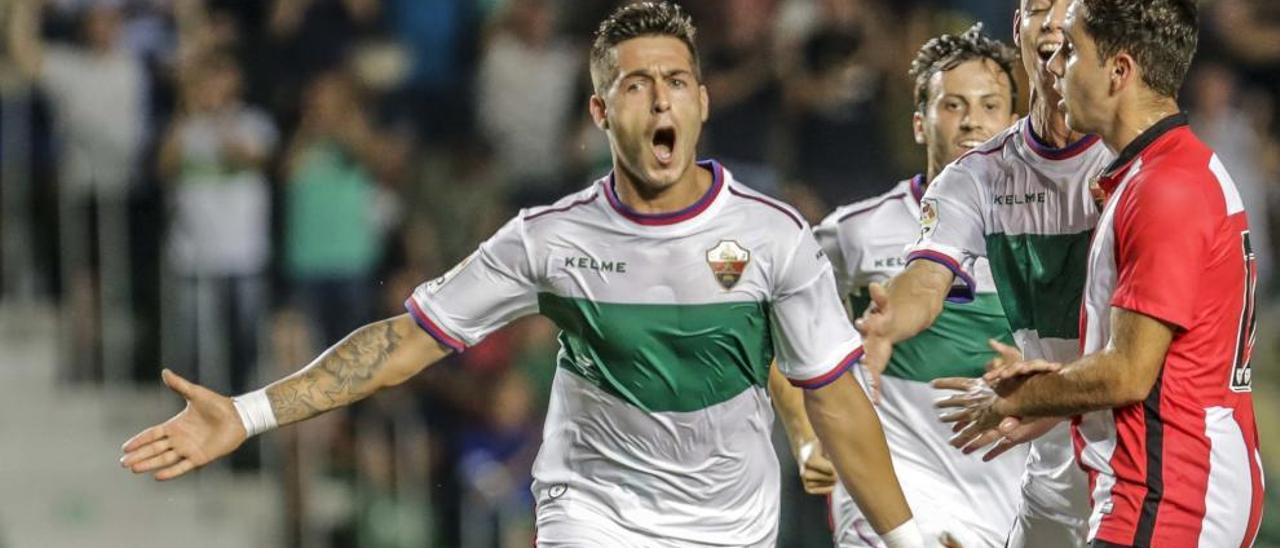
(869, 210)
(1181, 153)
(983, 166)
(763, 209)
(1183, 173)
(992, 154)
(567, 207)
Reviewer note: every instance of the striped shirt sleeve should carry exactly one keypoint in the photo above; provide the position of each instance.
(1163, 233)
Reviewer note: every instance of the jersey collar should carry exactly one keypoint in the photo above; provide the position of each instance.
(917, 187)
(1047, 151)
(1144, 140)
(658, 219)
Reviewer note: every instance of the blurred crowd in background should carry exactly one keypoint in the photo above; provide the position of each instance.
(226, 187)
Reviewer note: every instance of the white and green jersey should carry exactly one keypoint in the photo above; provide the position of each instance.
(659, 418)
(865, 242)
(1027, 208)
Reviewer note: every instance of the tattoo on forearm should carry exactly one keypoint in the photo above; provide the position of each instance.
(341, 376)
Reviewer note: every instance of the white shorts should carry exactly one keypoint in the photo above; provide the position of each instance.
(1055, 500)
(567, 523)
(852, 530)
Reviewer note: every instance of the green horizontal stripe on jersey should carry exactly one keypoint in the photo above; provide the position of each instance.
(1040, 279)
(954, 346)
(664, 357)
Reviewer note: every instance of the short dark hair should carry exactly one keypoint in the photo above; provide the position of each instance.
(1160, 34)
(634, 21)
(948, 51)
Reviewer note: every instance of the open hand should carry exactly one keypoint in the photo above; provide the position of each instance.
(877, 346)
(1008, 365)
(1014, 432)
(205, 430)
(974, 411)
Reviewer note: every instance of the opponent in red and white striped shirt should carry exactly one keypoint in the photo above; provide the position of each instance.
(1164, 414)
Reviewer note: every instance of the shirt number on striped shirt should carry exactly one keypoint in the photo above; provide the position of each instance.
(1242, 368)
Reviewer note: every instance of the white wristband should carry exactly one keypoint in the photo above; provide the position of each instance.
(255, 412)
(906, 535)
(806, 451)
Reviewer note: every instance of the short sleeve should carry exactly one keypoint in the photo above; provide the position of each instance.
(1163, 231)
(488, 290)
(814, 342)
(842, 260)
(952, 228)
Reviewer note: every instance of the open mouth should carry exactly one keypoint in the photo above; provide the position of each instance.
(1046, 50)
(970, 144)
(664, 144)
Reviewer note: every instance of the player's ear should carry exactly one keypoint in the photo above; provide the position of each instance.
(705, 100)
(1017, 29)
(917, 127)
(1122, 70)
(599, 114)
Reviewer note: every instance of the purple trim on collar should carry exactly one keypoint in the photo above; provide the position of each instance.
(653, 219)
(1048, 152)
(917, 187)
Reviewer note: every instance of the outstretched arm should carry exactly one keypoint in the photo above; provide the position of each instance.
(376, 356)
(907, 305)
(1123, 373)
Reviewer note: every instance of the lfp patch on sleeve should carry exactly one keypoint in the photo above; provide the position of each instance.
(434, 286)
(928, 216)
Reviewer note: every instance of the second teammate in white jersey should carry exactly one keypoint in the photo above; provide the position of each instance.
(1023, 201)
(965, 94)
(674, 287)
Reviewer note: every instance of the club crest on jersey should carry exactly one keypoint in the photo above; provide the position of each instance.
(1098, 194)
(728, 260)
(928, 216)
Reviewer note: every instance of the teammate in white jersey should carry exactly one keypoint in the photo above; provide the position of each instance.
(965, 93)
(674, 286)
(1023, 201)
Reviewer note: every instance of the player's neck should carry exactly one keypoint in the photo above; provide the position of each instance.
(1050, 125)
(1133, 119)
(691, 187)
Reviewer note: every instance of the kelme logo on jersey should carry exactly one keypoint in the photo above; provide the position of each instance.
(1020, 199)
(928, 216)
(889, 262)
(728, 260)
